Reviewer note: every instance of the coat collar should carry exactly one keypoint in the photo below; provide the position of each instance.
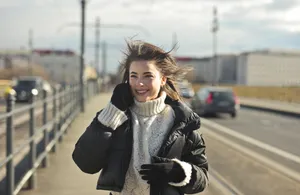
(184, 114)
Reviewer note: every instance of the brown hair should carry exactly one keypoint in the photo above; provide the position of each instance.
(140, 50)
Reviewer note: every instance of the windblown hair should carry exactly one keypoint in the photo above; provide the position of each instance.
(166, 64)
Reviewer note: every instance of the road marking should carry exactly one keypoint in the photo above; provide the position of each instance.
(252, 141)
(220, 183)
(268, 162)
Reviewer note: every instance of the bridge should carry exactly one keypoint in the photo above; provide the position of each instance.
(256, 153)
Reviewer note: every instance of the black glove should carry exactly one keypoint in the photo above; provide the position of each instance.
(162, 171)
(122, 97)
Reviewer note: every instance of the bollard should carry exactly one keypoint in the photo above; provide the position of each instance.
(45, 161)
(10, 169)
(54, 116)
(32, 153)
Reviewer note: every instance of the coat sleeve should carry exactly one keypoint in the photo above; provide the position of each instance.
(92, 147)
(194, 153)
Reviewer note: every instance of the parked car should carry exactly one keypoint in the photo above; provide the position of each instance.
(213, 100)
(25, 87)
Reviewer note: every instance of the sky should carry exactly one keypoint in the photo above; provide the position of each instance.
(244, 25)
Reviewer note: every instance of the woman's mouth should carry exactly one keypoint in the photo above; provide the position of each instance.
(141, 92)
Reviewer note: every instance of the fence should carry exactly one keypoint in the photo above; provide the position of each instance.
(18, 169)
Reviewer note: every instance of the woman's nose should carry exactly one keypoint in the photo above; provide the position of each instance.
(139, 82)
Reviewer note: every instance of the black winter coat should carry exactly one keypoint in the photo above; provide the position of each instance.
(108, 150)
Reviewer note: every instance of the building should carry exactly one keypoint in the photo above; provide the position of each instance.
(255, 68)
(269, 68)
(9, 58)
(63, 66)
(206, 71)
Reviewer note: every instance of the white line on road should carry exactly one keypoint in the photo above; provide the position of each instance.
(252, 141)
(221, 184)
(268, 162)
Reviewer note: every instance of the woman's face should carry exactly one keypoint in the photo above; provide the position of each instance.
(145, 80)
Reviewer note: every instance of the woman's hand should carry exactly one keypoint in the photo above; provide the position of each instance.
(162, 171)
(122, 97)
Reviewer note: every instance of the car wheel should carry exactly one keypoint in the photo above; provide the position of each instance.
(233, 115)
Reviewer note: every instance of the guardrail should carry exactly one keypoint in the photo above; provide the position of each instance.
(20, 164)
(289, 109)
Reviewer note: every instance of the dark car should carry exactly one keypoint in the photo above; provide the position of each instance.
(26, 87)
(213, 100)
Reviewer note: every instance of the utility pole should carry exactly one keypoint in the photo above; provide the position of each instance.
(104, 55)
(30, 46)
(82, 47)
(214, 30)
(97, 44)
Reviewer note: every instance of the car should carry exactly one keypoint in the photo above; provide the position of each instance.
(186, 92)
(214, 100)
(185, 89)
(26, 87)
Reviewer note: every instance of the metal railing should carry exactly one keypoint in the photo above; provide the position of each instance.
(18, 168)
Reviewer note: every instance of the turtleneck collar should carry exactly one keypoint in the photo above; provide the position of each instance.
(151, 107)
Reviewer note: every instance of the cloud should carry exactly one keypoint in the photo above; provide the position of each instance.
(282, 5)
(244, 24)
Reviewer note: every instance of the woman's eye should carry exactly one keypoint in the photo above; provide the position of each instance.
(149, 76)
(132, 76)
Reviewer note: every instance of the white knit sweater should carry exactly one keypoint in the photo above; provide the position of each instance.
(151, 122)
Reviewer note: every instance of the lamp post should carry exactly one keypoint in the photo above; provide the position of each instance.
(82, 44)
(97, 42)
(30, 48)
(214, 30)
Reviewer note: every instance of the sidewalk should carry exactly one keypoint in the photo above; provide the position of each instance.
(63, 177)
(271, 104)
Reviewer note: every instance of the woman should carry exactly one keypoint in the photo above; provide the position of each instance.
(145, 141)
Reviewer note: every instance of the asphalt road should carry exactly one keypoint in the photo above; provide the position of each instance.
(280, 131)
(245, 174)
(277, 130)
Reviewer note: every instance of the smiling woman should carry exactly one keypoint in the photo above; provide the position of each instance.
(145, 140)
(158, 64)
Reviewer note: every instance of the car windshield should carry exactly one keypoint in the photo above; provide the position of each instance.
(222, 95)
(26, 84)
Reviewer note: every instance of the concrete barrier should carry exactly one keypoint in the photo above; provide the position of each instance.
(290, 109)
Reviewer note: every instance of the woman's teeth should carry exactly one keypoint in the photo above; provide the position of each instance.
(141, 91)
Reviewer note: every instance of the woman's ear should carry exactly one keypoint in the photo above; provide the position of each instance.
(163, 80)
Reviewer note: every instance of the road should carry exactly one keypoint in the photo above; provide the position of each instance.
(280, 131)
(274, 129)
(245, 174)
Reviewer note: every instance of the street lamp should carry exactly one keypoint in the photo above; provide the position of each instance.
(214, 30)
(30, 48)
(82, 42)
